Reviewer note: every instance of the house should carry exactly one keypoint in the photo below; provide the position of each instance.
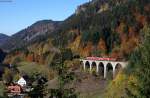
(14, 88)
(22, 82)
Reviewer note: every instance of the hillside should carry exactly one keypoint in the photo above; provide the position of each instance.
(105, 28)
(2, 56)
(102, 28)
(97, 28)
(37, 31)
(3, 38)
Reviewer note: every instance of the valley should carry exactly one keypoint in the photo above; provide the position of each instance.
(100, 51)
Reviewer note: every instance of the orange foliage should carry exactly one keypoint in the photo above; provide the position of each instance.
(120, 28)
(116, 53)
(76, 31)
(102, 45)
(129, 46)
(132, 32)
(147, 8)
(123, 38)
(36, 58)
(141, 19)
(87, 50)
(30, 57)
(41, 60)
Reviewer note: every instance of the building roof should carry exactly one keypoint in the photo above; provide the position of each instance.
(21, 82)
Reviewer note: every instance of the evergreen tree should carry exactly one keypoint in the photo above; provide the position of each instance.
(64, 78)
(140, 66)
(39, 87)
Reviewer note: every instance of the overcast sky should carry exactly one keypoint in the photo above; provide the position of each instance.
(18, 14)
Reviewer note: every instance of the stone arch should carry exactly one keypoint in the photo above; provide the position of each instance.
(109, 71)
(87, 65)
(94, 66)
(118, 67)
(82, 64)
(101, 69)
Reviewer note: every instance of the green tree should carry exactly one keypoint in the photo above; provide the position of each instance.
(39, 86)
(66, 54)
(134, 81)
(85, 37)
(7, 76)
(64, 78)
(140, 66)
(95, 38)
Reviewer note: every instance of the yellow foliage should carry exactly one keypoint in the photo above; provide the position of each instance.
(120, 28)
(68, 63)
(87, 50)
(102, 46)
(119, 86)
(103, 7)
(128, 46)
(75, 45)
(16, 77)
(132, 84)
(116, 89)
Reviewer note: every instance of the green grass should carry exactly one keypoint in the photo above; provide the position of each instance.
(2, 87)
(30, 68)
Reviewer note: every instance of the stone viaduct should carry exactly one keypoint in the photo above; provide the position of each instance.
(103, 65)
